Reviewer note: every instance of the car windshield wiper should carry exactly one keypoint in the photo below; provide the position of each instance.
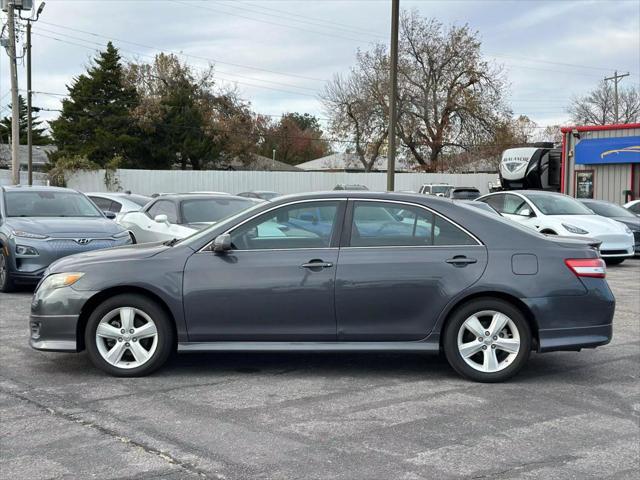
(172, 242)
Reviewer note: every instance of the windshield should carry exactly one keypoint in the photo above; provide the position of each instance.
(609, 209)
(558, 205)
(208, 210)
(49, 204)
(440, 189)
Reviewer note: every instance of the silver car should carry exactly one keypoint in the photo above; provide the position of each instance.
(41, 224)
(118, 203)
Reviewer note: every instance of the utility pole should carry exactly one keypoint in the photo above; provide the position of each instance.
(15, 107)
(393, 95)
(29, 95)
(616, 78)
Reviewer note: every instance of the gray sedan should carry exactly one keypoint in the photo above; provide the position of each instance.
(337, 271)
(41, 224)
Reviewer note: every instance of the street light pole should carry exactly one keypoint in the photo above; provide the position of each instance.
(15, 107)
(29, 95)
(393, 94)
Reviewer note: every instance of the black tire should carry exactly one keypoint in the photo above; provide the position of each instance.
(6, 283)
(614, 261)
(165, 335)
(548, 232)
(457, 319)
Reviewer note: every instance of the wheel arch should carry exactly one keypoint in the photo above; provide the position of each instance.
(91, 304)
(513, 300)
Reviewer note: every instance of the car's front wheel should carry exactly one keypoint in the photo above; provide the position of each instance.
(487, 340)
(129, 336)
(6, 283)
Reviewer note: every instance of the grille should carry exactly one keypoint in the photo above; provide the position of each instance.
(69, 246)
(636, 236)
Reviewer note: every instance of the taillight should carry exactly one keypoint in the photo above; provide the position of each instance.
(587, 267)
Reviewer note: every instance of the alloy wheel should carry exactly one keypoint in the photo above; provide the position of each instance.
(488, 341)
(126, 337)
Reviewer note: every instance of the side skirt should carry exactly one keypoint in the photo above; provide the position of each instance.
(423, 346)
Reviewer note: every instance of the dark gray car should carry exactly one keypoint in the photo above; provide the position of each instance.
(338, 271)
(41, 224)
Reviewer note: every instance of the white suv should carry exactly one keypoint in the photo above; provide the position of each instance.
(439, 189)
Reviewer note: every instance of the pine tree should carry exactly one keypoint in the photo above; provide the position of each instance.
(38, 134)
(96, 121)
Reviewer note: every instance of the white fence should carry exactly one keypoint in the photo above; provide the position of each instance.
(147, 182)
(6, 178)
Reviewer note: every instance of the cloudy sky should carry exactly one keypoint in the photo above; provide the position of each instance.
(279, 53)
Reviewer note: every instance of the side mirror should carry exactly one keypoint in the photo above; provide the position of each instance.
(222, 243)
(109, 215)
(309, 217)
(162, 218)
(525, 212)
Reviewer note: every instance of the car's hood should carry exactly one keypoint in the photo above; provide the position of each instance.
(594, 224)
(65, 226)
(632, 223)
(119, 254)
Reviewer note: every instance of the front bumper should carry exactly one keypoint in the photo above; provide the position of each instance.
(617, 246)
(53, 323)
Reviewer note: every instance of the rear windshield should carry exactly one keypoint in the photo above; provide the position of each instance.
(440, 188)
(49, 204)
(466, 194)
(140, 200)
(207, 210)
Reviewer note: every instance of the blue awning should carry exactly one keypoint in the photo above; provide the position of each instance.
(608, 150)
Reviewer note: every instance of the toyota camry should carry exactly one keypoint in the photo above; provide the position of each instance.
(338, 271)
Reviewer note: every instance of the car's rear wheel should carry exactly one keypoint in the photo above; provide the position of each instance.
(614, 261)
(487, 340)
(129, 336)
(6, 283)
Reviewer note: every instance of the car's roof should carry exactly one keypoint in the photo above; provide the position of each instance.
(35, 188)
(364, 194)
(465, 188)
(199, 196)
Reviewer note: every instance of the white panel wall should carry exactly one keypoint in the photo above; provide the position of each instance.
(38, 178)
(147, 182)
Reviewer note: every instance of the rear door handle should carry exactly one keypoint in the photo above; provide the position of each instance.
(461, 261)
(317, 264)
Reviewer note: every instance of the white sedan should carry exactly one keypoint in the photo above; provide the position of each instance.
(633, 206)
(180, 215)
(558, 214)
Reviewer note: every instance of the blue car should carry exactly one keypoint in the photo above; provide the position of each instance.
(39, 225)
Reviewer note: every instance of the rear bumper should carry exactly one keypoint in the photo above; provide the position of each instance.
(556, 339)
(574, 322)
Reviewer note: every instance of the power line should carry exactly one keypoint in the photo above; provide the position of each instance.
(151, 57)
(219, 72)
(303, 29)
(208, 59)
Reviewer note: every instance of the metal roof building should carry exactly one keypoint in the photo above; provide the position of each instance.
(601, 162)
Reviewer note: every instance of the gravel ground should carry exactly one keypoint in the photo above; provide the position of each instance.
(351, 416)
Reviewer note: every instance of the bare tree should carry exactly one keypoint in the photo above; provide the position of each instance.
(357, 105)
(450, 98)
(598, 106)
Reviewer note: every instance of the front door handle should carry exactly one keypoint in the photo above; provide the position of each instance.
(461, 261)
(317, 264)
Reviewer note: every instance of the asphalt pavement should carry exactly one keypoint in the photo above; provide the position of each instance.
(317, 416)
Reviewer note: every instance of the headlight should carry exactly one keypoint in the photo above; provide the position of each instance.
(26, 251)
(22, 234)
(58, 280)
(627, 230)
(122, 234)
(572, 229)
